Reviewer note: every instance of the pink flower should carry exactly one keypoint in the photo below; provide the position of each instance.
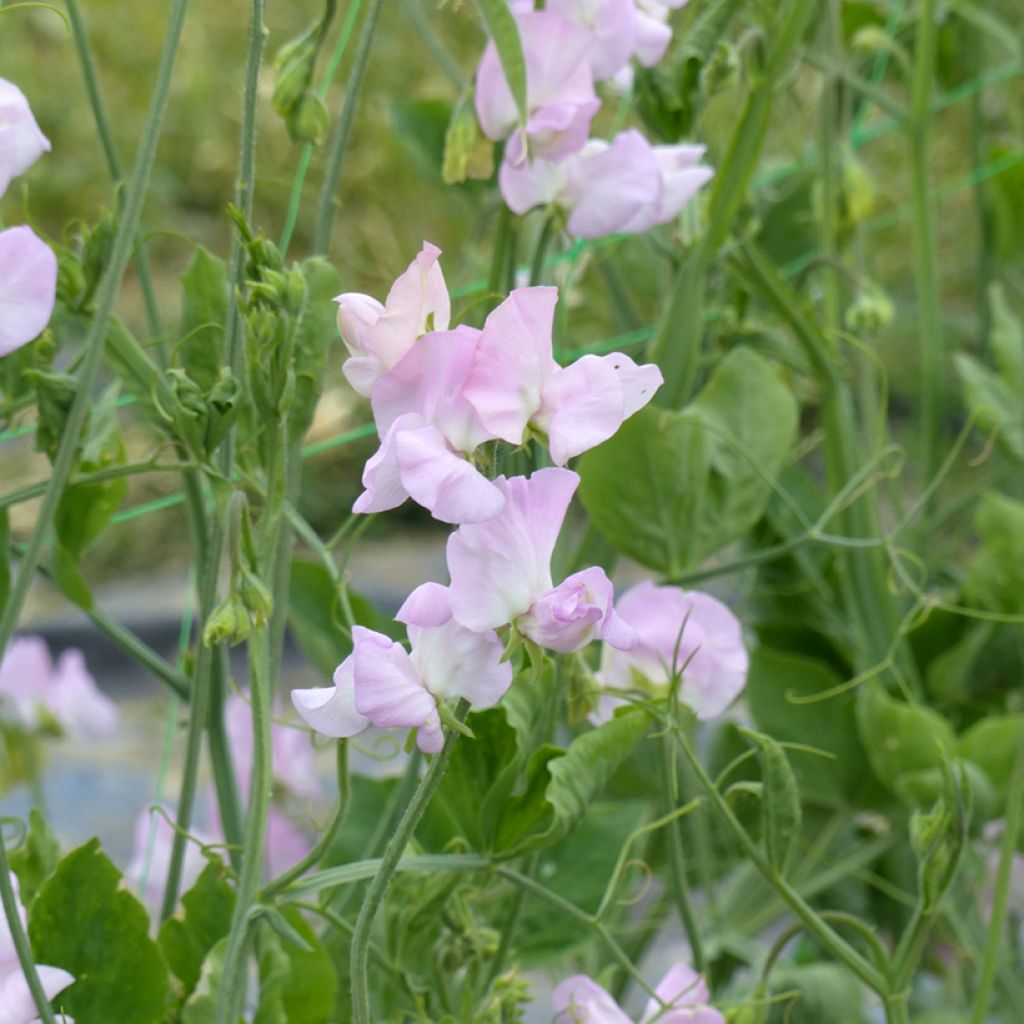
(428, 428)
(560, 88)
(382, 684)
(33, 689)
(652, 33)
(16, 1003)
(515, 382)
(677, 628)
(682, 999)
(501, 572)
(294, 765)
(21, 141)
(612, 25)
(377, 336)
(626, 186)
(286, 844)
(28, 286)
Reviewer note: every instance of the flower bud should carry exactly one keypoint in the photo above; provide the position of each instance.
(256, 597)
(228, 623)
(722, 69)
(293, 67)
(467, 153)
(308, 119)
(54, 394)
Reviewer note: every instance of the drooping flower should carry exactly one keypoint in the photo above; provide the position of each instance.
(560, 88)
(682, 999)
(378, 336)
(428, 430)
(501, 572)
(16, 1003)
(382, 684)
(678, 630)
(22, 142)
(625, 186)
(33, 690)
(515, 383)
(28, 286)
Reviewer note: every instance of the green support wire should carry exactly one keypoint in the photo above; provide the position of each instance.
(860, 135)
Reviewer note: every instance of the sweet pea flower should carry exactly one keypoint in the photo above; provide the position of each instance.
(427, 429)
(561, 101)
(625, 186)
(22, 142)
(377, 336)
(28, 286)
(16, 1003)
(516, 384)
(33, 690)
(682, 999)
(677, 628)
(382, 684)
(501, 572)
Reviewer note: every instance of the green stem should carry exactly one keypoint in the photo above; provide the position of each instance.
(323, 844)
(676, 858)
(925, 265)
(540, 254)
(382, 879)
(342, 131)
(99, 113)
(834, 943)
(32, 491)
(1001, 893)
(20, 939)
(510, 924)
(93, 345)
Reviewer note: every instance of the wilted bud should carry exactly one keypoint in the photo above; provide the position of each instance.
(467, 152)
(308, 120)
(223, 407)
(722, 69)
(229, 622)
(870, 312)
(190, 411)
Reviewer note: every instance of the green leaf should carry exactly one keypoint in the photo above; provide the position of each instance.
(827, 992)
(201, 1006)
(901, 739)
(297, 986)
(69, 579)
(671, 488)
(829, 725)
(36, 860)
(82, 921)
(994, 577)
(204, 311)
(560, 786)
(992, 401)
(316, 333)
(187, 940)
(992, 745)
(502, 28)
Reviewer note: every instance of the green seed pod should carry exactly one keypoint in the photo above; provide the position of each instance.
(780, 800)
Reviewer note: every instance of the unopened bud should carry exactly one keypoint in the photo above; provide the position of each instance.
(229, 622)
(308, 119)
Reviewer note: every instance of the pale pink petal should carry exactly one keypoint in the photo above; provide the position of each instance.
(8, 954)
(381, 476)
(499, 567)
(580, 1000)
(639, 383)
(456, 662)
(513, 359)
(682, 177)
(357, 316)
(529, 183)
(444, 483)
(612, 24)
(389, 690)
(77, 704)
(28, 287)
(428, 605)
(555, 130)
(16, 1003)
(652, 37)
(7, 170)
(683, 990)
(612, 186)
(26, 142)
(26, 675)
(430, 735)
(331, 710)
(581, 406)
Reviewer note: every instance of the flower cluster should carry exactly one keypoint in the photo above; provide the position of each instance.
(682, 999)
(36, 693)
(16, 1003)
(623, 185)
(438, 394)
(28, 267)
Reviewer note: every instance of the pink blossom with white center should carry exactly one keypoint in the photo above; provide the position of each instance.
(682, 999)
(625, 186)
(677, 628)
(382, 684)
(561, 101)
(33, 690)
(515, 382)
(428, 429)
(292, 759)
(28, 287)
(501, 572)
(22, 142)
(16, 1003)
(378, 336)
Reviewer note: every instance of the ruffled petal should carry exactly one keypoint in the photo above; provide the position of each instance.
(580, 1000)
(428, 605)
(456, 662)
(332, 711)
(389, 690)
(28, 287)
